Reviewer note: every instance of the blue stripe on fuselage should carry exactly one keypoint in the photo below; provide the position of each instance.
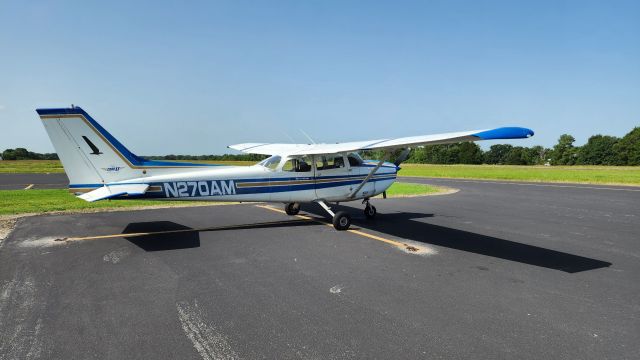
(194, 188)
(247, 180)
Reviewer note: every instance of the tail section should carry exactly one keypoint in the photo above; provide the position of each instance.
(91, 156)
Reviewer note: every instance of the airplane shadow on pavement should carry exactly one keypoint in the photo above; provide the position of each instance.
(404, 225)
(167, 235)
(164, 235)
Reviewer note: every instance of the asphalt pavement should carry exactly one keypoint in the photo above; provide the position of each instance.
(33, 181)
(501, 271)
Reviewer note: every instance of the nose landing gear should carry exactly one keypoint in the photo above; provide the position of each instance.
(369, 210)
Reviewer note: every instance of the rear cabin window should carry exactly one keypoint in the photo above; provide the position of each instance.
(330, 162)
(297, 165)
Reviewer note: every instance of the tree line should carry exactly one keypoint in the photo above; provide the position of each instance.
(599, 150)
(24, 154)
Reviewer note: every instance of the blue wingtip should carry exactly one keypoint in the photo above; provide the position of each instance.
(505, 133)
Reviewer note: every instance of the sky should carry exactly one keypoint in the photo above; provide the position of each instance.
(189, 77)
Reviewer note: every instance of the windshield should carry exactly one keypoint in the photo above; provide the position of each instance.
(270, 163)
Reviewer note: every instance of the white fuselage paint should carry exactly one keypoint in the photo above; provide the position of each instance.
(257, 183)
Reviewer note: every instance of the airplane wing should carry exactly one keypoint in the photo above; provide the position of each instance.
(411, 141)
(110, 191)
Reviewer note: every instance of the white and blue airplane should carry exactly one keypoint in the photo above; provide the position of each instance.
(100, 167)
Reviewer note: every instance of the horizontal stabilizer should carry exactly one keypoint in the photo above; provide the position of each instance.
(110, 191)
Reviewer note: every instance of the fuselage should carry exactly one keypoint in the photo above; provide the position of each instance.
(279, 178)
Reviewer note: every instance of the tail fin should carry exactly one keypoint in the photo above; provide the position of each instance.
(91, 156)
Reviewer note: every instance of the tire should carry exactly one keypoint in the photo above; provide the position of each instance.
(341, 220)
(370, 211)
(292, 208)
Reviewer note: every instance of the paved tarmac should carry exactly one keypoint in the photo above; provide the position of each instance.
(503, 270)
(33, 181)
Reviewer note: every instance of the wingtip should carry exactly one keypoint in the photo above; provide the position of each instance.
(505, 133)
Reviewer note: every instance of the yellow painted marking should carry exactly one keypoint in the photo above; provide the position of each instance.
(214, 228)
(353, 231)
(29, 187)
(231, 227)
(375, 237)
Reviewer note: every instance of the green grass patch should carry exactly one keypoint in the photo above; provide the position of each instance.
(615, 175)
(14, 202)
(31, 166)
(407, 189)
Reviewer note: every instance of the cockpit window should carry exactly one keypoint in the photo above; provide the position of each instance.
(297, 165)
(354, 159)
(271, 163)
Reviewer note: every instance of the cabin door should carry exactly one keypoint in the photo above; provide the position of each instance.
(334, 178)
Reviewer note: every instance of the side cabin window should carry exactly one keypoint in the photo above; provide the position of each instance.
(354, 159)
(302, 164)
(330, 162)
(270, 163)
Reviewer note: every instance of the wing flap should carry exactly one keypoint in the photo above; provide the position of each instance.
(110, 191)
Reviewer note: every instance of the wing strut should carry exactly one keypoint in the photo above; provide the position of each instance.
(373, 171)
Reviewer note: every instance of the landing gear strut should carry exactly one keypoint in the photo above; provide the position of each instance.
(369, 210)
(341, 219)
(292, 208)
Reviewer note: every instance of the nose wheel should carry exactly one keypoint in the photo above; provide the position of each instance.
(370, 211)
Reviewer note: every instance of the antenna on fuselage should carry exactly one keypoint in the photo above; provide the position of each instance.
(308, 137)
(290, 138)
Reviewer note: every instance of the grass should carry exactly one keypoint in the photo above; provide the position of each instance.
(614, 175)
(14, 202)
(408, 189)
(31, 166)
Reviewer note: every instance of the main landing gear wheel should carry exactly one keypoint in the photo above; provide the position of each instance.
(292, 208)
(370, 211)
(341, 220)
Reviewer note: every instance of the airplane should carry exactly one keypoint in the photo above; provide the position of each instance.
(99, 167)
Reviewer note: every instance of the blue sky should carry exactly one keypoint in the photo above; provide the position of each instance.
(193, 77)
